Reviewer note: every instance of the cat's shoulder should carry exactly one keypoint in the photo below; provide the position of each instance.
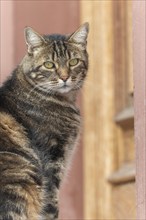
(12, 129)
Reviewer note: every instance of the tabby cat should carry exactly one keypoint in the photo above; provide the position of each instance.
(40, 123)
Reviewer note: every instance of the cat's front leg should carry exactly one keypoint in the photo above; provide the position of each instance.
(51, 208)
(51, 190)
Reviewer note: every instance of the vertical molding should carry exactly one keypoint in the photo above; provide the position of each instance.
(98, 106)
(6, 39)
(139, 36)
(129, 56)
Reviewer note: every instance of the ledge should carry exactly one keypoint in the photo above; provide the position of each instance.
(125, 174)
(126, 118)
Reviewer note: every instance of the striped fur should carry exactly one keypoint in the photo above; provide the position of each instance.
(40, 124)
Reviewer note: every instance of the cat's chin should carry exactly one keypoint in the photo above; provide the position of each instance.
(64, 89)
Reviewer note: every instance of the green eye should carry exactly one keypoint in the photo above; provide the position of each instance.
(73, 62)
(49, 65)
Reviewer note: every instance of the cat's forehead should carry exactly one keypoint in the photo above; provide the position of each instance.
(59, 47)
(55, 37)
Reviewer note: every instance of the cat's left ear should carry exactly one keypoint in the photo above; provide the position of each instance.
(33, 39)
(80, 36)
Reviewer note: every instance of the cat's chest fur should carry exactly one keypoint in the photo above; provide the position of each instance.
(53, 129)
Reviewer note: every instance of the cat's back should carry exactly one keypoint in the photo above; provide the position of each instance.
(14, 139)
(19, 171)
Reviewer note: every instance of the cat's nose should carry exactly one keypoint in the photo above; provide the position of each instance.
(64, 77)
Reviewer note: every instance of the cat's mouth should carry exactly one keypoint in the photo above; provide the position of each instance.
(64, 88)
(65, 85)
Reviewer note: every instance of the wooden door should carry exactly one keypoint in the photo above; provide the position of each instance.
(109, 154)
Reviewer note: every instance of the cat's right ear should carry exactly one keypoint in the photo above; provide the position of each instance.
(33, 39)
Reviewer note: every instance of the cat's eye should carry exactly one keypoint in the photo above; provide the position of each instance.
(49, 65)
(73, 62)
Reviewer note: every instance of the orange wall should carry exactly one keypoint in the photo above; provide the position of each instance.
(44, 17)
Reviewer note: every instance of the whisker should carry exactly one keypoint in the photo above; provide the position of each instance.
(35, 87)
(41, 86)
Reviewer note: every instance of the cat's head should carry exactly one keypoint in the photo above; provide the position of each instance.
(56, 63)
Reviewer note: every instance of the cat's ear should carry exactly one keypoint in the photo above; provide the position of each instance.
(33, 39)
(80, 36)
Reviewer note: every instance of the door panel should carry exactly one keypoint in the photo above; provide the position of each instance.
(109, 153)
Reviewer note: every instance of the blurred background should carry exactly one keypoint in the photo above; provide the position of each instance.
(101, 180)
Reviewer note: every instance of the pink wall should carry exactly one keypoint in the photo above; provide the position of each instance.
(139, 43)
(6, 39)
(44, 17)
